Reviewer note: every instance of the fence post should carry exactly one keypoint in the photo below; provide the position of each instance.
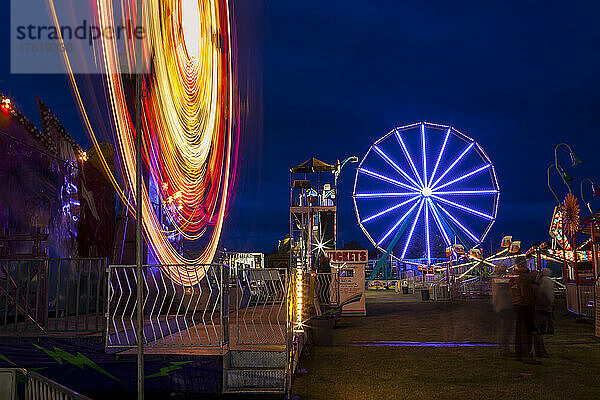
(224, 289)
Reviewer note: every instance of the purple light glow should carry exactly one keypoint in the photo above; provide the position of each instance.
(384, 178)
(390, 209)
(465, 230)
(439, 223)
(423, 344)
(469, 147)
(427, 234)
(463, 177)
(395, 166)
(437, 163)
(412, 229)
(432, 186)
(378, 195)
(424, 153)
(458, 192)
(393, 228)
(465, 208)
(408, 157)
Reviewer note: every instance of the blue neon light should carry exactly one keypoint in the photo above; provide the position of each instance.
(412, 228)
(389, 209)
(393, 228)
(469, 147)
(384, 178)
(428, 188)
(463, 177)
(468, 232)
(408, 157)
(395, 166)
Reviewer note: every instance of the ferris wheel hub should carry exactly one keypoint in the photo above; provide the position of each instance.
(426, 192)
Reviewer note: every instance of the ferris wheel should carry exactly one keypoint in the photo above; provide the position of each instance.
(423, 187)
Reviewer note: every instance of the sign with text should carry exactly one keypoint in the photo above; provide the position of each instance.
(351, 264)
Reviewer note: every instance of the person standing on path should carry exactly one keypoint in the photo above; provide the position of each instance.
(521, 292)
(503, 307)
(543, 290)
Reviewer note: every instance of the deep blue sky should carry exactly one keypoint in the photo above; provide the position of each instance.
(518, 76)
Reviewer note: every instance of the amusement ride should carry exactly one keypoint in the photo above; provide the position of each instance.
(189, 121)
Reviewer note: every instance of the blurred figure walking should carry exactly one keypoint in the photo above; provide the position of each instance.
(543, 290)
(521, 292)
(503, 307)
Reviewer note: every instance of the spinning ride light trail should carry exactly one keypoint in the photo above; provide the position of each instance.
(429, 163)
(189, 120)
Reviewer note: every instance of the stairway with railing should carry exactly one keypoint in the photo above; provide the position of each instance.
(37, 387)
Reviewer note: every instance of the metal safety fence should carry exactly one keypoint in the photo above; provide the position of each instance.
(52, 295)
(174, 315)
(473, 286)
(37, 387)
(260, 300)
(580, 299)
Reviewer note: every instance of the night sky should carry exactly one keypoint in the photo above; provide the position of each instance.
(330, 77)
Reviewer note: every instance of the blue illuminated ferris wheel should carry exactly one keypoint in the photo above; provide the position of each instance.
(424, 187)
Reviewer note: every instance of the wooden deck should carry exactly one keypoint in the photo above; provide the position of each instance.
(253, 328)
(256, 328)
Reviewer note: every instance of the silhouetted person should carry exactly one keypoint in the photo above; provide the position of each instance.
(543, 290)
(503, 307)
(521, 292)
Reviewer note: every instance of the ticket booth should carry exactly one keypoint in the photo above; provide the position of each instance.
(351, 267)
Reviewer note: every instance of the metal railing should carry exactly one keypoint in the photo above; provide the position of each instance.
(327, 288)
(580, 300)
(174, 315)
(261, 306)
(473, 286)
(37, 387)
(52, 295)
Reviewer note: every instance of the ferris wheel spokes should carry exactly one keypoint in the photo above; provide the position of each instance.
(461, 226)
(427, 235)
(408, 157)
(462, 177)
(393, 228)
(394, 165)
(469, 147)
(412, 228)
(468, 192)
(389, 209)
(423, 155)
(379, 195)
(436, 217)
(386, 178)
(465, 208)
(437, 163)
(427, 191)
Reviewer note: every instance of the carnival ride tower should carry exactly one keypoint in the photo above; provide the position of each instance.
(313, 213)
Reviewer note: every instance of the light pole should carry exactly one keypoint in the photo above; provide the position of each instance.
(352, 159)
(139, 244)
(549, 186)
(595, 192)
(575, 160)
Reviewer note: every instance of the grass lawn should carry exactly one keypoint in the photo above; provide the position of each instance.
(354, 370)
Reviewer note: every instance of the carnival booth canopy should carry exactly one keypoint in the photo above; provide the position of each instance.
(312, 165)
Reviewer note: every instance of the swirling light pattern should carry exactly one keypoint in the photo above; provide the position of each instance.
(189, 119)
